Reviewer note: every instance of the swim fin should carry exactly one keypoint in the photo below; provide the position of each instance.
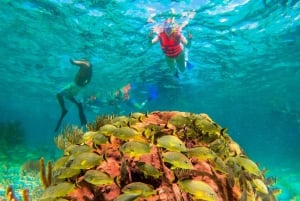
(152, 91)
(176, 74)
(63, 114)
(81, 114)
(189, 65)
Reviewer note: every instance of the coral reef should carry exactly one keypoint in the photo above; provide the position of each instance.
(157, 156)
(45, 177)
(10, 196)
(69, 135)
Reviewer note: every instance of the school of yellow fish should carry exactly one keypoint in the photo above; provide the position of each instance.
(184, 140)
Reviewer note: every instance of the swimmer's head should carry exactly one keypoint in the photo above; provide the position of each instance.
(168, 28)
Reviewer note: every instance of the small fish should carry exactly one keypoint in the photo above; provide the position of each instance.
(179, 121)
(135, 149)
(65, 173)
(68, 149)
(260, 186)
(126, 133)
(150, 131)
(60, 163)
(198, 189)
(137, 115)
(171, 143)
(107, 130)
(89, 136)
(219, 165)
(120, 121)
(86, 160)
(234, 167)
(201, 153)
(143, 189)
(248, 165)
(98, 178)
(149, 170)
(57, 191)
(99, 139)
(128, 197)
(78, 149)
(177, 160)
(208, 127)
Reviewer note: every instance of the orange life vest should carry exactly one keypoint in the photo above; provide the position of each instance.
(170, 45)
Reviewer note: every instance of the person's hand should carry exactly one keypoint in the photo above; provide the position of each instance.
(184, 14)
(72, 61)
(192, 14)
(190, 36)
(150, 34)
(150, 20)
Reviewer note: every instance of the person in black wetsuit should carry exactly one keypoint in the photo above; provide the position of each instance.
(82, 78)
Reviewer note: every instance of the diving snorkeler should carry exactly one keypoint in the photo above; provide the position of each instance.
(172, 41)
(82, 78)
(118, 99)
(123, 95)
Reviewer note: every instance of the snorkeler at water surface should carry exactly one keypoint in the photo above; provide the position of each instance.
(172, 41)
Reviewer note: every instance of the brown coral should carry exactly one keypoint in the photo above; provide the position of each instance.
(45, 175)
(10, 195)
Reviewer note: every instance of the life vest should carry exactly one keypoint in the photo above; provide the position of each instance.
(170, 45)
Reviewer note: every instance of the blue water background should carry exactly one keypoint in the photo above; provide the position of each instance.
(246, 73)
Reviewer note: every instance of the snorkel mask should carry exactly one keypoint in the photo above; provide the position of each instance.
(168, 28)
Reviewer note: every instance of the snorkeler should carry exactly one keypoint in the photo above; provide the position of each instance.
(82, 78)
(119, 98)
(172, 41)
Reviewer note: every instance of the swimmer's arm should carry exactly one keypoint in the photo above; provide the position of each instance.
(186, 42)
(183, 40)
(190, 15)
(151, 18)
(155, 39)
(183, 24)
(81, 63)
(152, 40)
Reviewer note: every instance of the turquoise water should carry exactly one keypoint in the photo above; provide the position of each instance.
(246, 73)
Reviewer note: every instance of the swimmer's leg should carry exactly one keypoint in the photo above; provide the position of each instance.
(181, 61)
(80, 111)
(172, 65)
(81, 114)
(64, 111)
